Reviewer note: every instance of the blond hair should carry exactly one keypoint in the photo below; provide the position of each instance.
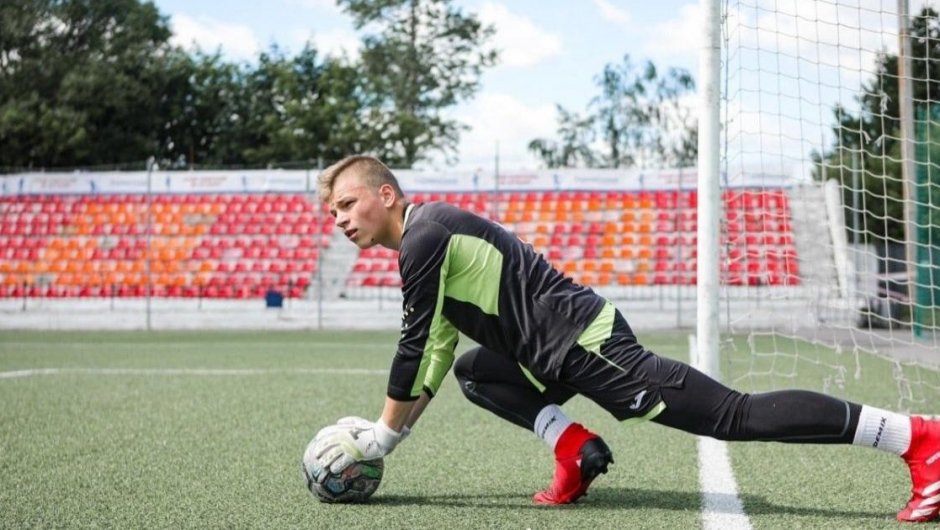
(373, 171)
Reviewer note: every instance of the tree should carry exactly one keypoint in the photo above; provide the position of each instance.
(869, 141)
(638, 116)
(92, 82)
(95, 82)
(200, 111)
(573, 148)
(79, 82)
(425, 57)
(301, 108)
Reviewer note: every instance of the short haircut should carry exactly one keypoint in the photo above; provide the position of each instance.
(375, 174)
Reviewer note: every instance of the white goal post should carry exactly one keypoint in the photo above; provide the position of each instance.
(832, 105)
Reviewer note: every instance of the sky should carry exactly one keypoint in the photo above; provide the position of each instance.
(787, 63)
(551, 52)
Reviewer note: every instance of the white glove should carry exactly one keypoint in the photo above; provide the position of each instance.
(362, 423)
(356, 441)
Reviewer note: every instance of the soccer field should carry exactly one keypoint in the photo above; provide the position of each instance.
(206, 429)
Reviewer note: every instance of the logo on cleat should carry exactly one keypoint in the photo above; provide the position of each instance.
(922, 512)
(933, 458)
(929, 492)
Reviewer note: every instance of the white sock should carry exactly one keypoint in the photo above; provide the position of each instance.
(882, 429)
(550, 423)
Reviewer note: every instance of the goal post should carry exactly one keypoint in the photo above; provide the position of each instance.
(826, 197)
(709, 209)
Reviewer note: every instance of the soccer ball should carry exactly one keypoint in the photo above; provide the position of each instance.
(356, 483)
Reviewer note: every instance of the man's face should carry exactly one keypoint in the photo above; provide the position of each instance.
(361, 213)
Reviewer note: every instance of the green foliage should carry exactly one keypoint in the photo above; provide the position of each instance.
(299, 108)
(424, 57)
(869, 143)
(283, 109)
(200, 110)
(638, 117)
(87, 82)
(871, 182)
(927, 186)
(572, 149)
(78, 82)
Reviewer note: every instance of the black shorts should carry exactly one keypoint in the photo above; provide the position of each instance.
(622, 377)
(611, 368)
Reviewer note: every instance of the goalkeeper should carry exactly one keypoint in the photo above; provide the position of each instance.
(544, 338)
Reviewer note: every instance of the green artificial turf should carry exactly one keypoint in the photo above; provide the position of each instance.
(91, 446)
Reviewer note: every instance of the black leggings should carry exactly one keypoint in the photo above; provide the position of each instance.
(704, 406)
(700, 405)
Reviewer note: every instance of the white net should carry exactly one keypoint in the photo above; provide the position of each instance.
(830, 262)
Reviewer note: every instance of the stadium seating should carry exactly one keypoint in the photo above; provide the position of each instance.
(378, 267)
(242, 245)
(628, 238)
(187, 245)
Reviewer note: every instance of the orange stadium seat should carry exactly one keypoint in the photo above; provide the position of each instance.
(77, 241)
(177, 252)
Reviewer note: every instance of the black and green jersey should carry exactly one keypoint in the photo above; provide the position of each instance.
(461, 272)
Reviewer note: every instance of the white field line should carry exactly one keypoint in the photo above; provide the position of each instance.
(345, 346)
(14, 374)
(721, 507)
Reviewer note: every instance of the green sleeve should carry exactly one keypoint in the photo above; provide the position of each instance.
(444, 340)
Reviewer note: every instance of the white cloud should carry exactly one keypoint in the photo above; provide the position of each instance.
(322, 5)
(520, 41)
(495, 117)
(680, 36)
(851, 37)
(323, 8)
(612, 13)
(337, 42)
(821, 30)
(235, 40)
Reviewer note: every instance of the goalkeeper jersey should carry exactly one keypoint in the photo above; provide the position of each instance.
(463, 273)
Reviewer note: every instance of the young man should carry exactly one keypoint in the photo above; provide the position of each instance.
(544, 338)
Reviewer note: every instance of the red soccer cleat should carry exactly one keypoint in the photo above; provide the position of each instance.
(923, 458)
(580, 456)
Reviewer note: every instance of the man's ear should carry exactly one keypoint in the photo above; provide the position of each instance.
(388, 194)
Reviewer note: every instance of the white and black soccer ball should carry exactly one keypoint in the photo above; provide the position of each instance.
(356, 483)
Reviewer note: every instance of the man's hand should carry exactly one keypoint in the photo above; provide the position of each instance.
(355, 440)
(362, 423)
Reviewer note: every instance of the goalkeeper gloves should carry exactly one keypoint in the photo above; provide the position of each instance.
(362, 423)
(355, 440)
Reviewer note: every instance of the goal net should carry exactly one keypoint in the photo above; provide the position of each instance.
(830, 178)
